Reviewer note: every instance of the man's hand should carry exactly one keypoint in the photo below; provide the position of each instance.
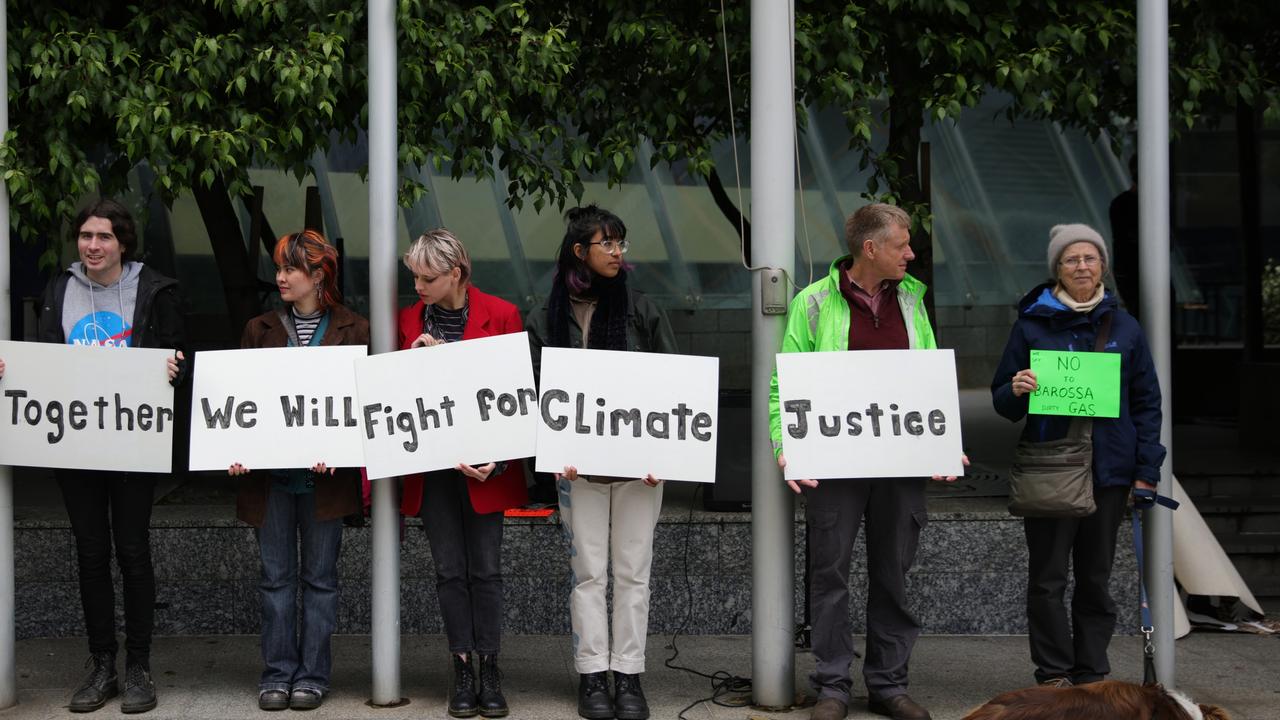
(237, 469)
(479, 472)
(170, 363)
(650, 480)
(964, 460)
(320, 469)
(569, 473)
(795, 484)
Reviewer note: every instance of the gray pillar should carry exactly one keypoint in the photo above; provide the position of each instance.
(1153, 255)
(773, 200)
(384, 179)
(8, 663)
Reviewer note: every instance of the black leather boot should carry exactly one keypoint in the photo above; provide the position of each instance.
(629, 700)
(99, 686)
(492, 702)
(594, 702)
(462, 694)
(139, 690)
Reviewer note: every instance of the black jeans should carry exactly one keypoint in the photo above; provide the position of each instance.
(1074, 647)
(467, 549)
(107, 507)
(894, 511)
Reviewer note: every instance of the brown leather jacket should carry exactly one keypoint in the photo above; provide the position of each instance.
(338, 494)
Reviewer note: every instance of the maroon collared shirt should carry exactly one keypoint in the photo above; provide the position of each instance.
(875, 321)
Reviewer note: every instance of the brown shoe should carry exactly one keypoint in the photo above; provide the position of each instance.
(898, 707)
(829, 709)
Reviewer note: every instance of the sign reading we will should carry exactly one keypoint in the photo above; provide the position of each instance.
(431, 408)
(83, 407)
(1086, 384)
(869, 413)
(275, 408)
(628, 414)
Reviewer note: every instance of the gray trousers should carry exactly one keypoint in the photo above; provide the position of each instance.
(894, 512)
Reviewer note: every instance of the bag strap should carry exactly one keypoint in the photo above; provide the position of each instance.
(1142, 501)
(1083, 427)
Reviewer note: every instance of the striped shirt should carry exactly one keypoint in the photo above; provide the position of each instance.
(306, 325)
(444, 324)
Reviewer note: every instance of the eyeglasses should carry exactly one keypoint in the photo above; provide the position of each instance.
(612, 246)
(1086, 260)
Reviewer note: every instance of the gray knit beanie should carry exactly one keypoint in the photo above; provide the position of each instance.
(1060, 236)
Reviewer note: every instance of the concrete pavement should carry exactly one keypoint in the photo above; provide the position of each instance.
(216, 677)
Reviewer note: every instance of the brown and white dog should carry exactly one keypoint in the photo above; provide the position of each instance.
(1106, 700)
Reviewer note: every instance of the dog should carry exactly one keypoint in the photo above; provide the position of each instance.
(1106, 700)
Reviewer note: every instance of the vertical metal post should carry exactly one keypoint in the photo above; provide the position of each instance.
(773, 200)
(384, 180)
(1153, 253)
(8, 660)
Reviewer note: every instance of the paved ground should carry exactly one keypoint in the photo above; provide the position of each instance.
(216, 677)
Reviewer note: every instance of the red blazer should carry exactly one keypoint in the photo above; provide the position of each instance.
(487, 317)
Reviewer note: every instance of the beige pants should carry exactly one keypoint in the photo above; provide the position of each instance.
(609, 522)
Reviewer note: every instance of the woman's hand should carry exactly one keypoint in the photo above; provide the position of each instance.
(170, 363)
(1143, 485)
(1, 368)
(424, 340)
(570, 473)
(237, 469)
(479, 472)
(1024, 381)
(320, 469)
(795, 484)
(650, 480)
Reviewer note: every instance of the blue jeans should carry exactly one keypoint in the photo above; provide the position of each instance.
(293, 659)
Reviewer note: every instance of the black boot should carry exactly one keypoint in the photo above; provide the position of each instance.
(594, 702)
(492, 703)
(99, 686)
(462, 694)
(629, 698)
(139, 690)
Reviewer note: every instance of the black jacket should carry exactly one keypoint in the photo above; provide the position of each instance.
(157, 313)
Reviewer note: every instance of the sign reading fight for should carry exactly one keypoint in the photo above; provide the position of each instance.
(91, 408)
(628, 414)
(1075, 383)
(869, 413)
(276, 408)
(431, 408)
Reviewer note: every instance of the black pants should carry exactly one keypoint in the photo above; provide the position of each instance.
(1074, 647)
(107, 508)
(894, 512)
(467, 549)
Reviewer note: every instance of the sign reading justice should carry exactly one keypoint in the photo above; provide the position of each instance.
(869, 413)
(276, 408)
(1075, 383)
(91, 408)
(627, 414)
(432, 408)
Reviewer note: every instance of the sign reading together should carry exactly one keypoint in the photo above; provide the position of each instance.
(1085, 384)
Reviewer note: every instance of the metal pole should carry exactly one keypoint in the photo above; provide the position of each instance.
(8, 660)
(773, 200)
(383, 182)
(1153, 252)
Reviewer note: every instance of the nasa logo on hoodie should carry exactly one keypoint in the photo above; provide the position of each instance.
(106, 329)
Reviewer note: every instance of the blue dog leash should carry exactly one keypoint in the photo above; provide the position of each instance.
(1145, 500)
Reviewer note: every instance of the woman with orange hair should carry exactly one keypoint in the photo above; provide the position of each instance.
(285, 505)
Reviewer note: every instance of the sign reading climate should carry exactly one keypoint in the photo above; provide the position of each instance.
(869, 413)
(628, 414)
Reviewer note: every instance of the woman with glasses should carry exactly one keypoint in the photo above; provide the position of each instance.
(1069, 312)
(300, 504)
(461, 509)
(609, 520)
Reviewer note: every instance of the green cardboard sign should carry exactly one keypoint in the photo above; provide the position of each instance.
(1085, 384)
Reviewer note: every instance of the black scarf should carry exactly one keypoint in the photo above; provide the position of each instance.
(609, 321)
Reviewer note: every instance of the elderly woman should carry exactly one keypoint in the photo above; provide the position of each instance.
(300, 507)
(461, 509)
(1068, 313)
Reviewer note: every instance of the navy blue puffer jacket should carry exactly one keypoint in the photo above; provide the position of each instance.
(1124, 448)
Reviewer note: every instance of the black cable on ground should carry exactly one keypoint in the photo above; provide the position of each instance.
(722, 681)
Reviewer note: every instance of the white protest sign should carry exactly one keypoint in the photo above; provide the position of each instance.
(628, 414)
(430, 408)
(86, 407)
(869, 414)
(276, 408)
